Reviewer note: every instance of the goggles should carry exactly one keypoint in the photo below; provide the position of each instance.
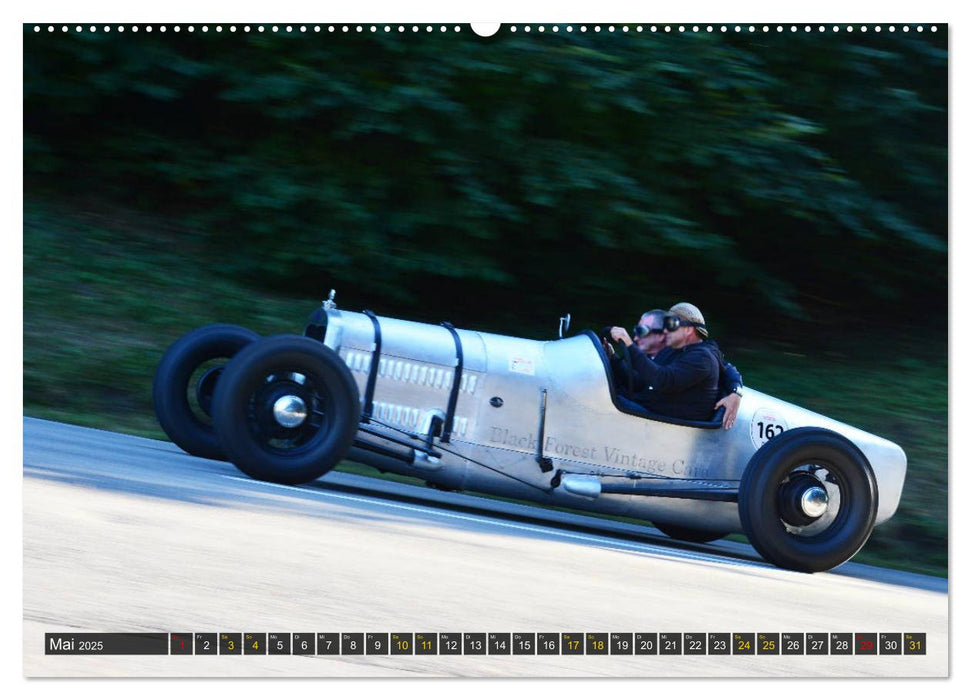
(673, 323)
(641, 331)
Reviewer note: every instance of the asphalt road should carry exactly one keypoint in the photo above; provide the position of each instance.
(124, 534)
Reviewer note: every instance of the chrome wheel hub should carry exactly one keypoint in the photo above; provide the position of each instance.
(289, 411)
(814, 501)
(809, 500)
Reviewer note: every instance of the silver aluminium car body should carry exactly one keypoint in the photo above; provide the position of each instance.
(536, 420)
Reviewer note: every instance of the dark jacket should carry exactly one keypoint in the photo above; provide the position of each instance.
(679, 383)
(728, 375)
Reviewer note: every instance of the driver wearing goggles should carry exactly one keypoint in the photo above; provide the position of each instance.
(648, 334)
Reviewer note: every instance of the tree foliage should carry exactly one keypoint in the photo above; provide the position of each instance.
(786, 173)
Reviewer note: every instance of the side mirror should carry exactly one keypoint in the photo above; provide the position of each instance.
(564, 324)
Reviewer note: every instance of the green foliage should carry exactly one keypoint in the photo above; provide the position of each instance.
(788, 169)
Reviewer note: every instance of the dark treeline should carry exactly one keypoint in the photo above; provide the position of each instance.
(499, 183)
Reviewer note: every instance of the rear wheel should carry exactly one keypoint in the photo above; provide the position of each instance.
(286, 409)
(808, 500)
(185, 382)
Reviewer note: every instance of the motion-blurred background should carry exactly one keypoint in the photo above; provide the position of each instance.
(793, 186)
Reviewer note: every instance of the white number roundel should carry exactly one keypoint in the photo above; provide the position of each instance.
(765, 425)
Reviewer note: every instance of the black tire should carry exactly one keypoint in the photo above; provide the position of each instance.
(794, 460)
(689, 534)
(188, 423)
(262, 374)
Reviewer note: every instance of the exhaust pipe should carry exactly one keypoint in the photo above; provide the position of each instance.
(581, 485)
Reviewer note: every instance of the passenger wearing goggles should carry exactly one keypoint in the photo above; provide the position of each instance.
(676, 370)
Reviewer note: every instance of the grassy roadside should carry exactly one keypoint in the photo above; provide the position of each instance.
(106, 293)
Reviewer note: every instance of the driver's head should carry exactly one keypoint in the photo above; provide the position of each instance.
(649, 332)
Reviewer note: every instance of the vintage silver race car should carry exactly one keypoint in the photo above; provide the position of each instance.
(527, 419)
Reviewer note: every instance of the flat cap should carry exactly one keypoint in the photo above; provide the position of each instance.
(690, 312)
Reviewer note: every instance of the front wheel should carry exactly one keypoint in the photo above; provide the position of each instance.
(808, 500)
(286, 409)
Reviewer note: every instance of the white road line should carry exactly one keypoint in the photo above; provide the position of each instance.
(637, 546)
